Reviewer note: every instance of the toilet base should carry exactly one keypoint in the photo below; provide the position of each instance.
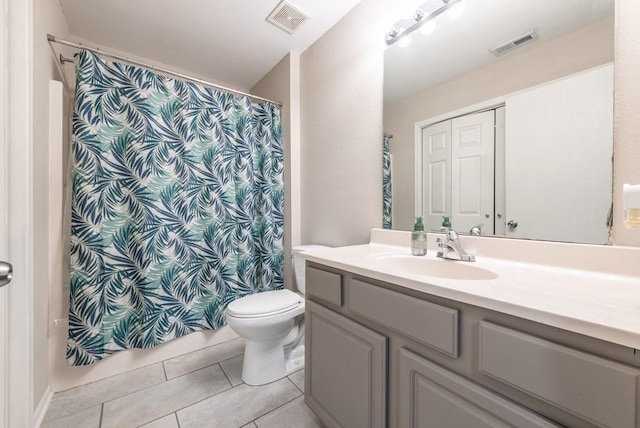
(295, 360)
(263, 362)
(266, 362)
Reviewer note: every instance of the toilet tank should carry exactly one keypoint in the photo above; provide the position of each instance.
(298, 263)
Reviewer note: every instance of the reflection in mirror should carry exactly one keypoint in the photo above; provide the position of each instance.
(519, 144)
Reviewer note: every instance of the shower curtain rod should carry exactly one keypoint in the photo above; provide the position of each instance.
(54, 39)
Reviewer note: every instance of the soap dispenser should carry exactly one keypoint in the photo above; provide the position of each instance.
(418, 239)
(446, 223)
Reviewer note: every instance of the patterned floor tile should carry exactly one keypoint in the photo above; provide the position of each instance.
(88, 418)
(169, 421)
(298, 379)
(152, 403)
(238, 406)
(183, 364)
(295, 414)
(233, 369)
(83, 397)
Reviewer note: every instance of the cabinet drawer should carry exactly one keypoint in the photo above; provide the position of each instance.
(323, 285)
(434, 325)
(600, 391)
(431, 396)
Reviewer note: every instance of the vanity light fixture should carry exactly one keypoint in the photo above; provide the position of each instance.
(424, 16)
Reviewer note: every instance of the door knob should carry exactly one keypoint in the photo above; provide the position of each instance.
(6, 273)
(512, 224)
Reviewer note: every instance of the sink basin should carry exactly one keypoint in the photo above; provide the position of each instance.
(440, 268)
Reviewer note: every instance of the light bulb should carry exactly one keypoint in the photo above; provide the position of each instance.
(404, 41)
(407, 12)
(428, 27)
(457, 10)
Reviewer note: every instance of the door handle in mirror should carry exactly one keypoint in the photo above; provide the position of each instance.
(512, 224)
(6, 273)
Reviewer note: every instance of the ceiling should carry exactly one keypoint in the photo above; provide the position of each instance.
(227, 41)
(459, 46)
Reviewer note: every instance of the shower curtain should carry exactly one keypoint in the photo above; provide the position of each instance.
(177, 207)
(386, 183)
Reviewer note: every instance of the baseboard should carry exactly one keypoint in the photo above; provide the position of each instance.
(43, 406)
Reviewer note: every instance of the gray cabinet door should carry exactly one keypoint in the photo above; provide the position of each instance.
(345, 370)
(431, 396)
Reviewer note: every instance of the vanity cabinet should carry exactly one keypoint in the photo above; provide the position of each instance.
(379, 354)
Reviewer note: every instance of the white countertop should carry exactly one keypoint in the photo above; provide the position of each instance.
(597, 304)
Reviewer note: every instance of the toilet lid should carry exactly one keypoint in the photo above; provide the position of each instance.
(265, 303)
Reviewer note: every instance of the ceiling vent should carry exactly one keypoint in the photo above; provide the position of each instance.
(522, 40)
(286, 17)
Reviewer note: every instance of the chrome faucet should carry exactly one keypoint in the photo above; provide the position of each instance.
(450, 248)
(476, 230)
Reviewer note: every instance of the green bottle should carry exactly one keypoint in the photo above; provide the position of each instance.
(418, 239)
(446, 224)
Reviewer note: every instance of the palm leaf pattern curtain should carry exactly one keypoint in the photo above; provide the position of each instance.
(386, 183)
(177, 207)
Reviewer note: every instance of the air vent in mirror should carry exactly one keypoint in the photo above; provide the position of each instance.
(515, 43)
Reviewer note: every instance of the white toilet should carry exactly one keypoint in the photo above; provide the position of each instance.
(273, 326)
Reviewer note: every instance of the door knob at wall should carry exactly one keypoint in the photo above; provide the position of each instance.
(6, 273)
(512, 224)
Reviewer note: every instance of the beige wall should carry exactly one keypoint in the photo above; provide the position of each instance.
(277, 85)
(341, 159)
(626, 164)
(48, 18)
(577, 51)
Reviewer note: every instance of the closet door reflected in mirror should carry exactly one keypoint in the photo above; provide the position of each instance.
(458, 172)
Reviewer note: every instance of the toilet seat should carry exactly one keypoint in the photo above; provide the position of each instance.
(264, 304)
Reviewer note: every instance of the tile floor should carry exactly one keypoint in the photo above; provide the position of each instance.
(200, 389)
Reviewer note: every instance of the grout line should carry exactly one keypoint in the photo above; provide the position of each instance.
(189, 405)
(160, 417)
(175, 414)
(206, 398)
(294, 384)
(75, 412)
(163, 383)
(225, 375)
(203, 367)
(164, 369)
(217, 362)
(276, 408)
(101, 414)
(231, 358)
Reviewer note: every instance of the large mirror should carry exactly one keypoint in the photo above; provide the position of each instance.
(502, 118)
